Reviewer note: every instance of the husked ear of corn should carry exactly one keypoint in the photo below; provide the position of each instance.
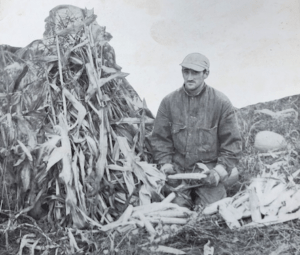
(147, 223)
(168, 220)
(187, 176)
(169, 198)
(168, 213)
(214, 207)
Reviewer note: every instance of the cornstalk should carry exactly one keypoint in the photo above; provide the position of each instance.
(61, 76)
(3, 57)
(4, 188)
(57, 203)
(107, 216)
(142, 129)
(110, 140)
(101, 162)
(50, 95)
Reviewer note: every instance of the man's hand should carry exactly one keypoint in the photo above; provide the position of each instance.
(168, 169)
(212, 179)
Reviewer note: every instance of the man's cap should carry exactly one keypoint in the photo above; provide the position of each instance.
(196, 61)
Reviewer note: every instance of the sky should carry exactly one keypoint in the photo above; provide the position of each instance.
(253, 45)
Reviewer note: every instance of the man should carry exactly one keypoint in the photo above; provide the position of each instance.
(196, 124)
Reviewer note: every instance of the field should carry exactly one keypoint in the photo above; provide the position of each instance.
(277, 239)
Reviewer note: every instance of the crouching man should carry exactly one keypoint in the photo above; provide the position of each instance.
(196, 124)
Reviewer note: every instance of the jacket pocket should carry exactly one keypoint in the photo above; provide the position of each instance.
(178, 136)
(208, 143)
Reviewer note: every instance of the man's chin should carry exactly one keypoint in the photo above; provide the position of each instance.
(190, 86)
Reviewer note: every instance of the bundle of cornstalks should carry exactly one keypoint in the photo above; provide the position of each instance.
(73, 144)
(271, 198)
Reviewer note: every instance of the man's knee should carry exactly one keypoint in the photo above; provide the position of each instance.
(209, 195)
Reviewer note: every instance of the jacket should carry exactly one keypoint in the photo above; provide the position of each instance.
(191, 129)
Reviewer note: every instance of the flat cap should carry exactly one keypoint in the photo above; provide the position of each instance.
(196, 61)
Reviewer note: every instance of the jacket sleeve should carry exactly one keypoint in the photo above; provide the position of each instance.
(161, 138)
(230, 142)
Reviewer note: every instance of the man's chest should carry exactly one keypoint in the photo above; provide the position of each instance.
(194, 112)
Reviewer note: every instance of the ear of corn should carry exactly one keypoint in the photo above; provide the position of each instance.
(187, 176)
(214, 207)
(168, 220)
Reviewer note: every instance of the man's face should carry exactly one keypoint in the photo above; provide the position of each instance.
(193, 79)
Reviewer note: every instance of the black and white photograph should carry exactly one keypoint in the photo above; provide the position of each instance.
(149, 127)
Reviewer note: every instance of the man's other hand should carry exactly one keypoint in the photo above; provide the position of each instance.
(168, 169)
(212, 179)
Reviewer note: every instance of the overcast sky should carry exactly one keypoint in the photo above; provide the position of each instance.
(253, 46)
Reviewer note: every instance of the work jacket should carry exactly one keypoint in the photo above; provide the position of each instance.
(191, 129)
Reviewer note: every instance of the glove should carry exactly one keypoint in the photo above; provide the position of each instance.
(212, 179)
(168, 169)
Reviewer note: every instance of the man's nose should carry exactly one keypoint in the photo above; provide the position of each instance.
(189, 76)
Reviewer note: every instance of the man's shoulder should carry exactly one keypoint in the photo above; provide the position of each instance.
(220, 96)
(172, 95)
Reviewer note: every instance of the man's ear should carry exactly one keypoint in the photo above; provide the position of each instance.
(206, 74)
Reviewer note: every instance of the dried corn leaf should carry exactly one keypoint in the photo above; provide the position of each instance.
(240, 198)
(103, 143)
(291, 203)
(26, 242)
(20, 160)
(25, 149)
(77, 105)
(96, 84)
(144, 195)
(119, 168)
(92, 145)
(76, 26)
(82, 164)
(271, 220)
(128, 178)
(77, 183)
(254, 205)
(137, 168)
(270, 195)
(24, 129)
(56, 155)
(229, 216)
(109, 70)
(73, 244)
(275, 206)
(116, 151)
